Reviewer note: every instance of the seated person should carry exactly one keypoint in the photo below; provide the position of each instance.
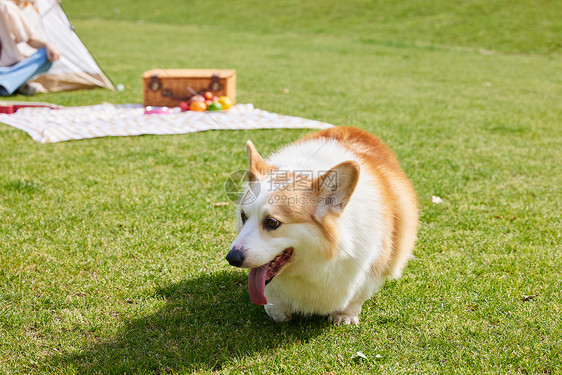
(15, 69)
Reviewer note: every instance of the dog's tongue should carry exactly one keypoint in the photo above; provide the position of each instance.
(256, 285)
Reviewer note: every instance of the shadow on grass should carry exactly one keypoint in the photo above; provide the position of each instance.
(206, 322)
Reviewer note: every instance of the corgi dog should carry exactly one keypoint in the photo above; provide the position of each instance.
(322, 223)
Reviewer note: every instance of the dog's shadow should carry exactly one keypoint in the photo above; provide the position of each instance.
(205, 323)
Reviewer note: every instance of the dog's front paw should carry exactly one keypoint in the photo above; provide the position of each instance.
(338, 318)
(277, 313)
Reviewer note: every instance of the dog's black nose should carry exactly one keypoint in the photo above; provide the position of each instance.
(236, 256)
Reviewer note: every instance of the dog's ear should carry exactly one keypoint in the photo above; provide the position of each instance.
(334, 188)
(257, 166)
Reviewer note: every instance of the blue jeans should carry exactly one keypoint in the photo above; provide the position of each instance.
(12, 77)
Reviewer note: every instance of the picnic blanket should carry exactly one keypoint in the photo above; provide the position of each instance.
(47, 125)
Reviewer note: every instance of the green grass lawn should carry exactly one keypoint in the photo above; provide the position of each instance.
(112, 253)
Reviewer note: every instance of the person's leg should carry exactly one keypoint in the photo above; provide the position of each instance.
(12, 77)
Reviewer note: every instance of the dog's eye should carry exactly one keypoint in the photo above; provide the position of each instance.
(271, 223)
(243, 217)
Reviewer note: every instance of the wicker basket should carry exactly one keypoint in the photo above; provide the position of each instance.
(171, 87)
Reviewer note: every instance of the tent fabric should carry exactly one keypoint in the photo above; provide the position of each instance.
(76, 69)
(56, 125)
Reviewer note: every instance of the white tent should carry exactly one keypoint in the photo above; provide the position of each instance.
(76, 69)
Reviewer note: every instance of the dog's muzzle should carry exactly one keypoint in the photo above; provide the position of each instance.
(236, 256)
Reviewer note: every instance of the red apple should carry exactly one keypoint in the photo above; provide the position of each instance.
(208, 95)
(184, 106)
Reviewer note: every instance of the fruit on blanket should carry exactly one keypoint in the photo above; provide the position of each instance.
(198, 106)
(208, 95)
(206, 102)
(184, 106)
(214, 107)
(225, 102)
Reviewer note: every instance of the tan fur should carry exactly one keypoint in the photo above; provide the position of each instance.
(257, 166)
(305, 189)
(400, 219)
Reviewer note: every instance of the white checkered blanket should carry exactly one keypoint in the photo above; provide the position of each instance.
(55, 125)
